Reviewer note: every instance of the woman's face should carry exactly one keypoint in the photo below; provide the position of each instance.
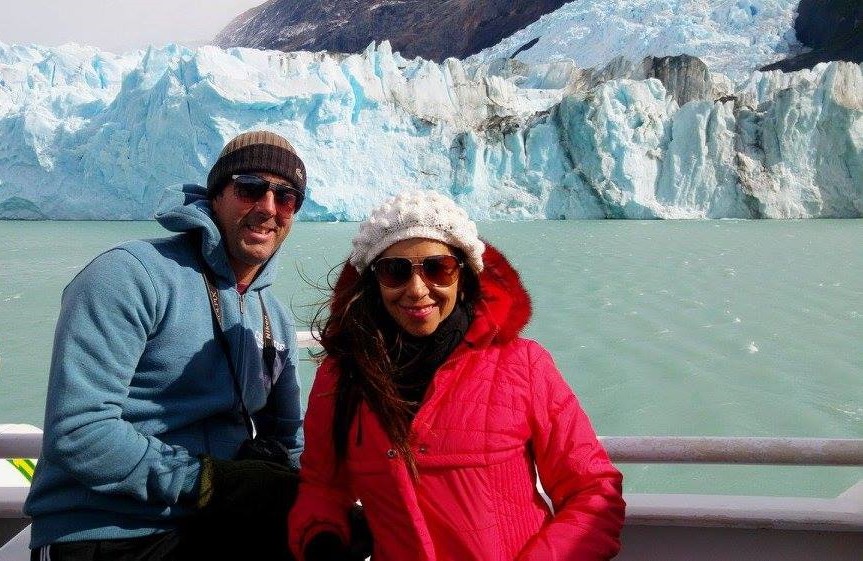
(419, 306)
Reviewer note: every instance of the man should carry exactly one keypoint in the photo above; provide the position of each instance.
(156, 382)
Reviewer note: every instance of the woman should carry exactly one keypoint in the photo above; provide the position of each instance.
(431, 410)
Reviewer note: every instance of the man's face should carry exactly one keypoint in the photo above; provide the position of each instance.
(252, 230)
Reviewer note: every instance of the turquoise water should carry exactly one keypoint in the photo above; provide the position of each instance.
(736, 328)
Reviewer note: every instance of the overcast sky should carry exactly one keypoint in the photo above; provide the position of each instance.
(116, 25)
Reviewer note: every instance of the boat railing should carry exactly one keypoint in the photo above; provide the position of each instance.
(638, 449)
(843, 513)
(670, 526)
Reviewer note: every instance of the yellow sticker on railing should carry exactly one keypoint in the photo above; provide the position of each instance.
(24, 465)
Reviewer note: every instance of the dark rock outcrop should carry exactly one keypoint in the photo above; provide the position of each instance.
(432, 29)
(685, 77)
(833, 29)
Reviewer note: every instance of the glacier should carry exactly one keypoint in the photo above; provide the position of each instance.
(733, 37)
(86, 134)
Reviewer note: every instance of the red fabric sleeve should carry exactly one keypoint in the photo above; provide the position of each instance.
(575, 471)
(324, 497)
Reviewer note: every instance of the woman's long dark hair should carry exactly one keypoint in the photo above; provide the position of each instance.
(360, 335)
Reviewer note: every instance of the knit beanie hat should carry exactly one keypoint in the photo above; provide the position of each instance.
(416, 214)
(257, 151)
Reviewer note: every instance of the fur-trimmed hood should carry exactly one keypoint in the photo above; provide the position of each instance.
(503, 309)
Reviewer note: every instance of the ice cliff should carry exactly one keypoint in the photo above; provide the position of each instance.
(733, 37)
(90, 135)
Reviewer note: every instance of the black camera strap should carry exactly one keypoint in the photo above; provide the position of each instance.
(268, 353)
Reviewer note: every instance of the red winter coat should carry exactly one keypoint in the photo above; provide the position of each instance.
(496, 414)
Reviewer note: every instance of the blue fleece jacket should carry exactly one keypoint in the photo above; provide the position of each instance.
(139, 386)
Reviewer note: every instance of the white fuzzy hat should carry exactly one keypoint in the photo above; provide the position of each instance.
(416, 214)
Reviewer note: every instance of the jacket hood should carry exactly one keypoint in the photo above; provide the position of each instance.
(186, 208)
(503, 309)
(504, 305)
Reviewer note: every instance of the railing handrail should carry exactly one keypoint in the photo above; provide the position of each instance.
(25, 443)
(735, 450)
(307, 339)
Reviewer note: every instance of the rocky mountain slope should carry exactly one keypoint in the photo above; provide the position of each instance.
(431, 29)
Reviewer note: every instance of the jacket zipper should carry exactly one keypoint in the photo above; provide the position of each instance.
(241, 352)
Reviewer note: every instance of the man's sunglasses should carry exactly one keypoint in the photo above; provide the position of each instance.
(251, 188)
(439, 270)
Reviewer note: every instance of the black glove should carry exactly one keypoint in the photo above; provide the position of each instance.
(246, 487)
(242, 511)
(326, 546)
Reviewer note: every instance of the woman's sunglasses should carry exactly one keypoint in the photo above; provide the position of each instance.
(439, 270)
(251, 188)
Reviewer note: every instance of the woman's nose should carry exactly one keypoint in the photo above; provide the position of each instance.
(416, 286)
